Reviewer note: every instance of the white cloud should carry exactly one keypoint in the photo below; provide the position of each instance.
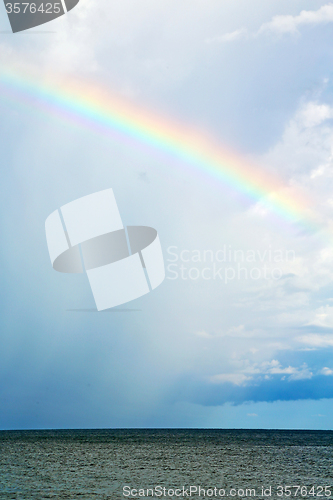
(274, 368)
(313, 114)
(302, 374)
(326, 371)
(323, 316)
(252, 414)
(233, 378)
(281, 24)
(205, 335)
(229, 37)
(265, 369)
(235, 331)
(316, 340)
(307, 139)
(305, 156)
(289, 24)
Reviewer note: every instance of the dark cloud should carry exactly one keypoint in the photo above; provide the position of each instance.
(273, 389)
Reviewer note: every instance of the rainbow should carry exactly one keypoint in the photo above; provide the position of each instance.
(97, 109)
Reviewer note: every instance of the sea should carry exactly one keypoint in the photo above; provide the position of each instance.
(165, 464)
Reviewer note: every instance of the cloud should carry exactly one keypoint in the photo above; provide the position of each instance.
(252, 414)
(313, 114)
(233, 378)
(316, 340)
(204, 335)
(274, 367)
(323, 316)
(304, 154)
(266, 370)
(235, 331)
(229, 37)
(269, 390)
(306, 142)
(281, 24)
(326, 371)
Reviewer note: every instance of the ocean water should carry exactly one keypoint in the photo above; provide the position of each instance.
(120, 464)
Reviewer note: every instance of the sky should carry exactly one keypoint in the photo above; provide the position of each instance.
(240, 333)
